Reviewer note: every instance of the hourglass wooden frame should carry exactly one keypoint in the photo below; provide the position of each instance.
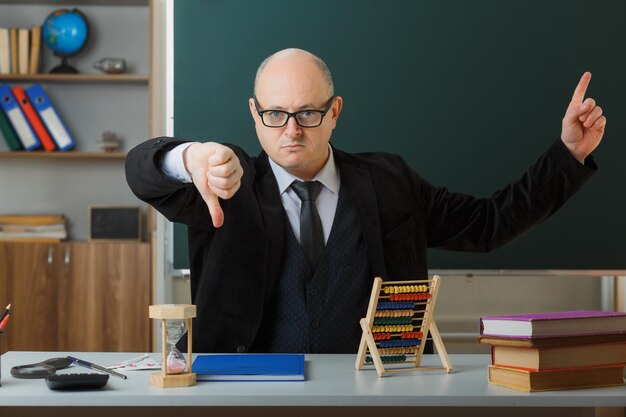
(166, 312)
(421, 312)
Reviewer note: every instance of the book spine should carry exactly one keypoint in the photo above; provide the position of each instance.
(5, 51)
(34, 220)
(23, 50)
(13, 36)
(562, 369)
(35, 45)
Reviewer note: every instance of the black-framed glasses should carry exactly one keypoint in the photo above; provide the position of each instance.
(304, 118)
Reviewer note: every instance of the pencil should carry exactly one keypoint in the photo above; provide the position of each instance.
(3, 322)
(5, 312)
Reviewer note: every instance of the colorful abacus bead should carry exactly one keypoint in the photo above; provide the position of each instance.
(388, 359)
(386, 305)
(411, 335)
(392, 320)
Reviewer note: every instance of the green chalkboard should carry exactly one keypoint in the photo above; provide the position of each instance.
(469, 92)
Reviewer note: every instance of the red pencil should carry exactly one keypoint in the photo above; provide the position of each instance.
(4, 322)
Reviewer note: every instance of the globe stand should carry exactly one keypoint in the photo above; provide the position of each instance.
(64, 68)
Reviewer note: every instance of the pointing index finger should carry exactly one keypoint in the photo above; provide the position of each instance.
(581, 88)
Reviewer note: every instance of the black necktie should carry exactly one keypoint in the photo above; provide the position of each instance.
(311, 233)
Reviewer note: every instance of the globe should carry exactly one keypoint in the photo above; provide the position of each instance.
(65, 33)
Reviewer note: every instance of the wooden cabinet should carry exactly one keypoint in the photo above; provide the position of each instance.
(76, 296)
(27, 281)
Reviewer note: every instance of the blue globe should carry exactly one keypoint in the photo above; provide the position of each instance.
(65, 32)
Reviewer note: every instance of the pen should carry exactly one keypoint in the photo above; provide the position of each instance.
(90, 365)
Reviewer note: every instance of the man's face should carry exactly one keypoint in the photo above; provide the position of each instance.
(292, 84)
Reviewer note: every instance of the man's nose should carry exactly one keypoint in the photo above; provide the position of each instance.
(293, 130)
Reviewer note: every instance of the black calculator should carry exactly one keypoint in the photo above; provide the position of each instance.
(76, 381)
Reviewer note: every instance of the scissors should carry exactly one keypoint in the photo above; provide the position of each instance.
(40, 369)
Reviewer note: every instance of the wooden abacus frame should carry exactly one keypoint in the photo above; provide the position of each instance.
(368, 344)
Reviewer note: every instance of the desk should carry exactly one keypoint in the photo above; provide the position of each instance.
(332, 387)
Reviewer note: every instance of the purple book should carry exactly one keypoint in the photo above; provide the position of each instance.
(564, 323)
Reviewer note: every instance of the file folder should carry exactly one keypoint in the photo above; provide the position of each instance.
(33, 119)
(50, 118)
(18, 120)
(9, 134)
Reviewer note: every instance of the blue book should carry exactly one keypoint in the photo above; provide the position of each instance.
(249, 367)
(50, 118)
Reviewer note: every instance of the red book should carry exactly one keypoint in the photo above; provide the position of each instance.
(33, 119)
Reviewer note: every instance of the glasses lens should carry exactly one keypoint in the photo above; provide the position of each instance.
(275, 118)
(309, 118)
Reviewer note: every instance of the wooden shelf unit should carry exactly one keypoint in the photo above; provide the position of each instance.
(80, 2)
(62, 155)
(103, 289)
(75, 78)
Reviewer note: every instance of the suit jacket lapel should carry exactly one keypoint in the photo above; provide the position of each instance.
(359, 186)
(274, 220)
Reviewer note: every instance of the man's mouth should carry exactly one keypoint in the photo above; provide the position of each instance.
(293, 146)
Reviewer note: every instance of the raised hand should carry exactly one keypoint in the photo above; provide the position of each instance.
(216, 172)
(583, 124)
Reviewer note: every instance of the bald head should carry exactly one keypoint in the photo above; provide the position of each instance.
(294, 59)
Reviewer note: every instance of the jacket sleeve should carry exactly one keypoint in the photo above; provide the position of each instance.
(177, 201)
(461, 222)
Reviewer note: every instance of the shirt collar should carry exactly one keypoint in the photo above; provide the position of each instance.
(328, 175)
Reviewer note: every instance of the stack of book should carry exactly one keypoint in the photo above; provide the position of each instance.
(20, 50)
(33, 228)
(28, 120)
(554, 351)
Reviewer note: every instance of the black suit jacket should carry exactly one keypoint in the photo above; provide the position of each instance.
(235, 268)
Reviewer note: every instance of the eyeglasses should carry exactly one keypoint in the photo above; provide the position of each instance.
(304, 118)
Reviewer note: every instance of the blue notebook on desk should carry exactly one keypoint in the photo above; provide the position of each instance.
(249, 367)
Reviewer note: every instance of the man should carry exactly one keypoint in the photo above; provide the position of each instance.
(279, 266)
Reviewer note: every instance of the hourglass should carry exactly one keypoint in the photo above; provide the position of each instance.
(175, 370)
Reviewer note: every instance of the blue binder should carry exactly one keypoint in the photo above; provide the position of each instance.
(50, 117)
(17, 118)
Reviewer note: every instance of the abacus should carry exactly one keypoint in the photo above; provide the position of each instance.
(398, 321)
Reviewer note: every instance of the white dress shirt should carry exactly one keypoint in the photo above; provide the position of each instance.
(326, 201)
(174, 168)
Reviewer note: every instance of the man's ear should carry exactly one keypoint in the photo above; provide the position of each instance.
(253, 111)
(335, 110)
